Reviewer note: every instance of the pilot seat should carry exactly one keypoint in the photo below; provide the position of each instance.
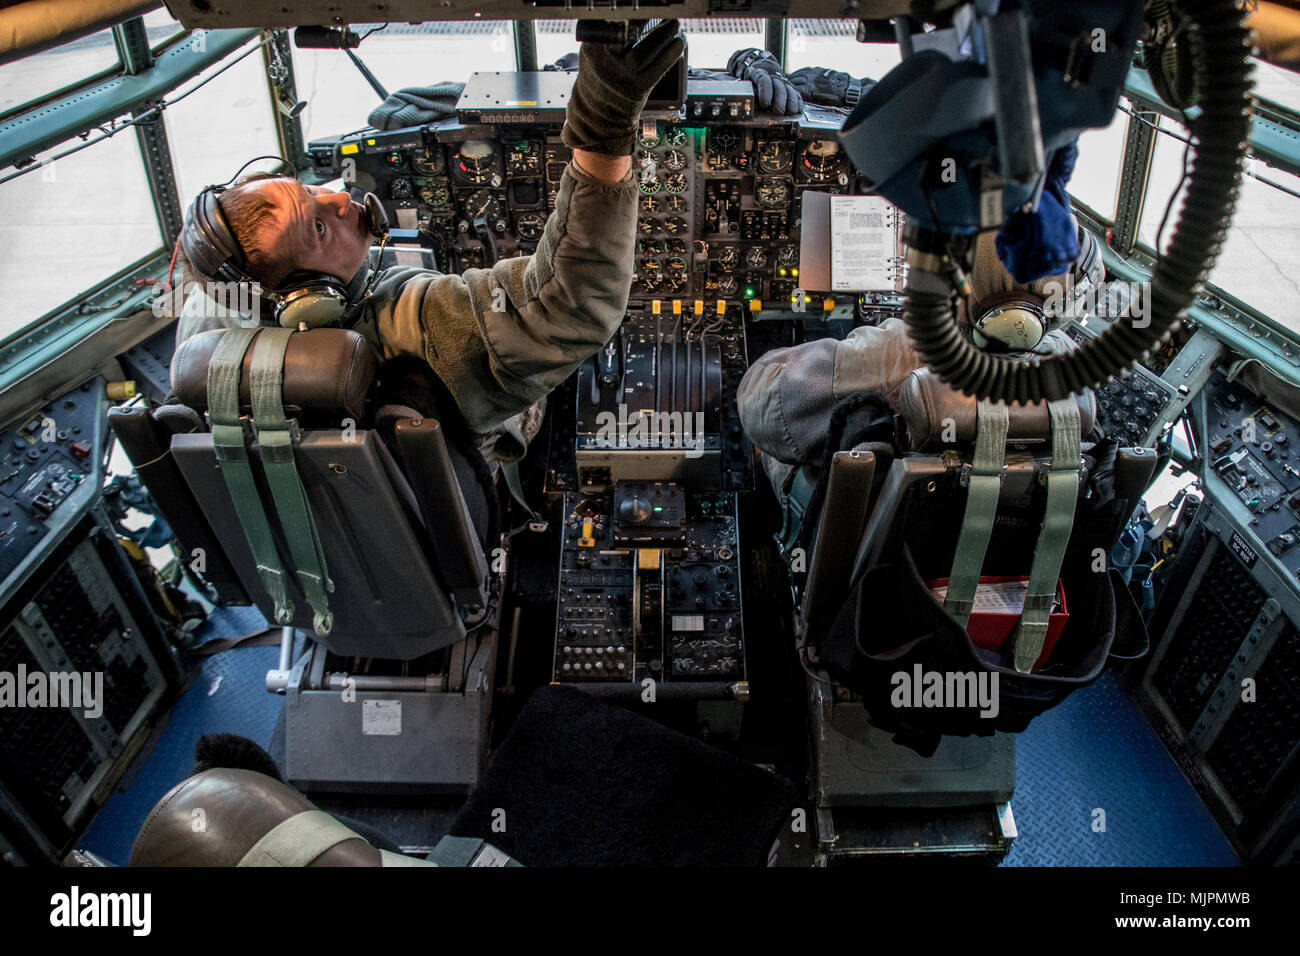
(968, 496)
(272, 470)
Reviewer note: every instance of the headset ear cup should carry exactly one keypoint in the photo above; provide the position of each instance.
(310, 300)
(1015, 326)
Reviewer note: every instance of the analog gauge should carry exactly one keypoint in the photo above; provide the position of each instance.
(675, 283)
(675, 136)
(677, 247)
(676, 225)
(649, 142)
(756, 257)
(400, 188)
(529, 225)
(651, 204)
(675, 182)
(476, 162)
(523, 158)
(728, 256)
(647, 158)
(675, 159)
(649, 185)
(724, 139)
(648, 267)
(772, 191)
(822, 161)
(434, 192)
(649, 247)
(428, 160)
(728, 286)
(775, 157)
(676, 265)
(482, 202)
(676, 203)
(647, 226)
(787, 255)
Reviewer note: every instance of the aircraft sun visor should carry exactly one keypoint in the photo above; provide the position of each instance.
(35, 25)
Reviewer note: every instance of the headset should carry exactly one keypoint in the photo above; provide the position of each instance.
(304, 299)
(1009, 322)
(1018, 321)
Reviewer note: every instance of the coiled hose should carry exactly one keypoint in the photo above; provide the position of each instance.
(1223, 81)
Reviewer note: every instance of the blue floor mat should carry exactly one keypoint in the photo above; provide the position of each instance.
(1093, 752)
(228, 696)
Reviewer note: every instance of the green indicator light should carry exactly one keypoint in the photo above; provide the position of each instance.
(749, 293)
(658, 508)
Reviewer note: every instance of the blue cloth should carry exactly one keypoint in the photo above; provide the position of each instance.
(1044, 242)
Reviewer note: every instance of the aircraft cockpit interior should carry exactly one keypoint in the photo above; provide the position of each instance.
(683, 433)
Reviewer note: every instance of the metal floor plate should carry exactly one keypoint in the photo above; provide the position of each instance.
(1093, 752)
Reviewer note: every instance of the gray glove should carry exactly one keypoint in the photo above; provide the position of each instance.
(612, 88)
(773, 91)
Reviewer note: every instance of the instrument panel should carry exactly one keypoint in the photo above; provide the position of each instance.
(718, 249)
(719, 198)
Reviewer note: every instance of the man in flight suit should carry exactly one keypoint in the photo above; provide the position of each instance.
(498, 339)
(787, 396)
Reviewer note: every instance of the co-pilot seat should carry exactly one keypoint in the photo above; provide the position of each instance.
(882, 500)
(393, 689)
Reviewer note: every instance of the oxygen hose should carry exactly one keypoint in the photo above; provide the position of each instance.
(1223, 82)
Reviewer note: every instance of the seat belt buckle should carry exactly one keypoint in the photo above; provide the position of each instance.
(289, 425)
(538, 524)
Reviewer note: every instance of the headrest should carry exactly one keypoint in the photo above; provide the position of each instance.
(326, 371)
(215, 817)
(928, 404)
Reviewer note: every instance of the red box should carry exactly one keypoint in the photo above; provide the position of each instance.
(992, 630)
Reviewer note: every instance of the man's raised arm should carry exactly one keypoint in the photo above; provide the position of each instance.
(501, 338)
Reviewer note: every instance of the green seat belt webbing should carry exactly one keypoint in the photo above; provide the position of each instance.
(275, 441)
(1058, 521)
(991, 424)
(794, 507)
(224, 372)
(535, 522)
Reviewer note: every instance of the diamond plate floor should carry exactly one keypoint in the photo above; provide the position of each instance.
(1093, 752)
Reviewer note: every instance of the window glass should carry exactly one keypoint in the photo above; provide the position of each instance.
(833, 45)
(1264, 239)
(400, 56)
(160, 26)
(1095, 181)
(1277, 85)
(1166, 173)
(40, 74)
(72, 223)
(710, 42)
(214, 130)
(554, 39)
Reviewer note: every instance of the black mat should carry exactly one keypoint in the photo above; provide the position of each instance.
(581, 782)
